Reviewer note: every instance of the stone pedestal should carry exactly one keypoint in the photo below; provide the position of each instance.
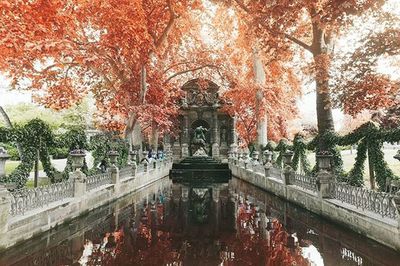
(267, 169)
(5, 206)
(79, 183)
(324, 184)
(114, 171)
(325, 178)
(396, 202)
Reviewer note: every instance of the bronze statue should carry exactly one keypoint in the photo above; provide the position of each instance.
(199, 135)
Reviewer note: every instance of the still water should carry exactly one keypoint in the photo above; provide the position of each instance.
(209, 224)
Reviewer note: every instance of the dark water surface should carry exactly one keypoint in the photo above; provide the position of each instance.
(214, 224)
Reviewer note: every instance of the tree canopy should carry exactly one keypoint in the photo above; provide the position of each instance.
(133, 56)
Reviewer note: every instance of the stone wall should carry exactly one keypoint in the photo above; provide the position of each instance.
(382, 229)
(32, 222)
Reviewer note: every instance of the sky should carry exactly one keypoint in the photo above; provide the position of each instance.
(8, 97)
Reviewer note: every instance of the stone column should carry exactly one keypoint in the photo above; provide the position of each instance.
(287, 170)
(215, 145)
(325, 178)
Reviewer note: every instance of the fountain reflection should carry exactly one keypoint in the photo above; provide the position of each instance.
(208, 224)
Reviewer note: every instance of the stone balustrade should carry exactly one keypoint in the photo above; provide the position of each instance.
(374, 214)
(28, 212)
(27, 199)
(366, 199)
(98, 180)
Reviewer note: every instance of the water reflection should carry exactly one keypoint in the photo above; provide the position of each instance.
(214, 224)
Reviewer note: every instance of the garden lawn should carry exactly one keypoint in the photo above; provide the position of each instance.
(349, 160)
(11, 165)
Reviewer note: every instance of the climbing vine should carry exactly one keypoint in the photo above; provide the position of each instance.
(369, 139)
(35, 138)
(102, 143)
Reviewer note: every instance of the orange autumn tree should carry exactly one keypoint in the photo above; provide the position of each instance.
(63, 50)
(360, 83)
(132, 56)
(241, 63)
(307, 26)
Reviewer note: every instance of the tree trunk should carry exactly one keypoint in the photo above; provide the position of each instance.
(321, 50)
(259, 78)
(154, 136)
(9, 125)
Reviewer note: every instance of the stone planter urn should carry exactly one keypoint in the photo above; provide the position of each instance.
(3, 158)
(287, 157)
(113, 155)
(267, 156)
(78, 158)
(255, 155)
(324, 159)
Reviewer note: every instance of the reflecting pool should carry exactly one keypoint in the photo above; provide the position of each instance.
(209, 224)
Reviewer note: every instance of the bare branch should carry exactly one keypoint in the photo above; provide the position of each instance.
(297, 41)
(189, 70)
(168, 28)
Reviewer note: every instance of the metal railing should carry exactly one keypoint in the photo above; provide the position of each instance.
(98, 180)
(303, 181)
(26, 199)
(365, 199)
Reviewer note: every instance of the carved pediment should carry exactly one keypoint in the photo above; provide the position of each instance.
(200, 97)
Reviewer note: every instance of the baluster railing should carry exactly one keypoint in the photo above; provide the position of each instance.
(276, 172)
(126, 172)
(98, 180)
(26, 199)
(365, 199)
(303, 181)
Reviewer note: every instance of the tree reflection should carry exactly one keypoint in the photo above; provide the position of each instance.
(154, 236)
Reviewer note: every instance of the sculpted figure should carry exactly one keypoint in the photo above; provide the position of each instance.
(199, 135)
